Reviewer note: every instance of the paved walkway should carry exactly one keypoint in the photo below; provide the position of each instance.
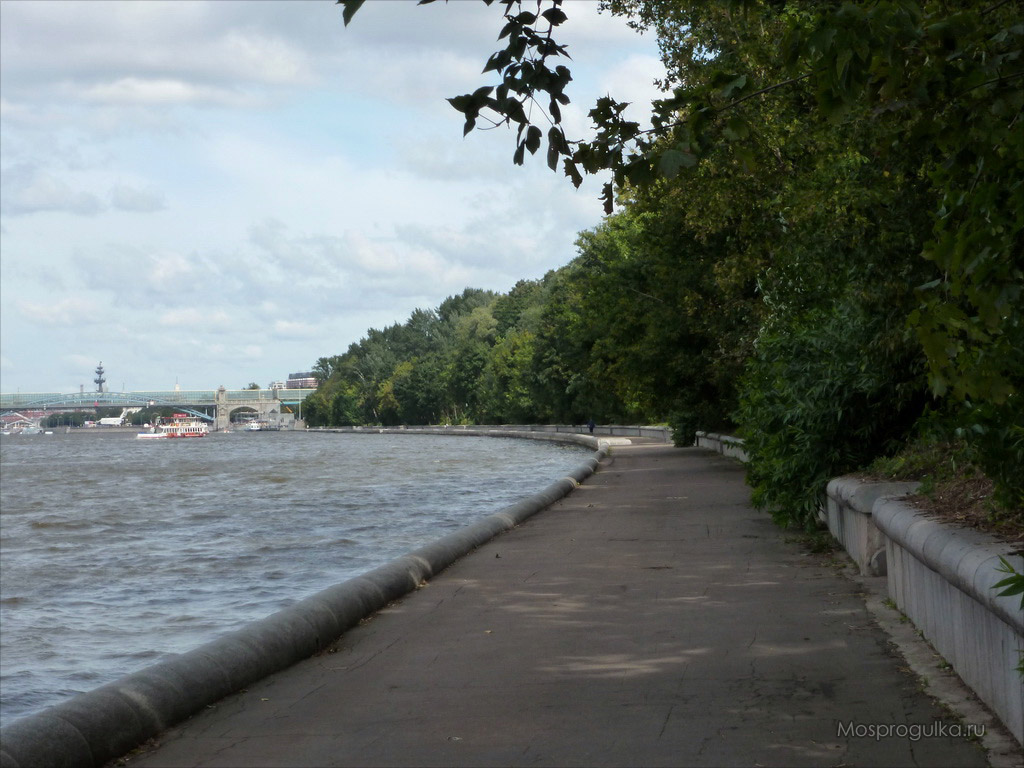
(650, 618)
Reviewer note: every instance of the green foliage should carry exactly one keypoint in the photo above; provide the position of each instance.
(1012, 584)
(824, 224)
(506, 381)
(823, 395)
(930, 457)
(995, 434)
(72, 419)
(684, 426)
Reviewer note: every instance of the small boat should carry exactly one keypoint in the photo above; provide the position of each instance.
(175, 426)
(260, 425)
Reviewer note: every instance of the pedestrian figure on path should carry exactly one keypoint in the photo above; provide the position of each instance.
(591, 425)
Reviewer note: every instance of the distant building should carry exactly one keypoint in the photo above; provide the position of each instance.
(304, 380)
(277, 385)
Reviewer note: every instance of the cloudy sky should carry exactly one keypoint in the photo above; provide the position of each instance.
(209, 193)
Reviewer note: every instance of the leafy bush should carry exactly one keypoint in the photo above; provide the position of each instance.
(684, 428)
(823, 395)
(995, 435)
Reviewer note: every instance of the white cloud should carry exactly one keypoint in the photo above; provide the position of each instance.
(291, 329)
(135, 91)
(68, 312)
(88, 42)
(126, 198)
(84, 362)
(25, 189)
(17, 113)
(195, 318)
(302, 182)
(170, 270)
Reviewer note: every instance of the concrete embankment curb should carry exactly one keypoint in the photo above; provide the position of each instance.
(95, 727)
(588, 441)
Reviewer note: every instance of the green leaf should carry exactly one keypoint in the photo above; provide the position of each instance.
(498, 60)
(556, 113)
(671, 161)
(554, 16)
(736, 129)
(533, 136)
(747, 157)
(552, 154)
(737, 83)
(572, 172)
(461, 103)
(1012, 584)
(349, 9)
(842, 62)
(608, 197)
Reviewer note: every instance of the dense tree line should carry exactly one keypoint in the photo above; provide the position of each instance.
(819, 245)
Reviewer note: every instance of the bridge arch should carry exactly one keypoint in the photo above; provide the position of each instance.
(235, 413)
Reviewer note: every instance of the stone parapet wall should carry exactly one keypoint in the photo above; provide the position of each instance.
(942, 577)
(727, 445)
(848, 514)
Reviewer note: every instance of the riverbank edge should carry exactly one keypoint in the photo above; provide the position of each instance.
(97, 726)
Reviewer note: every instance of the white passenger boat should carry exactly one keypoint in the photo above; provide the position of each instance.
(178, 425)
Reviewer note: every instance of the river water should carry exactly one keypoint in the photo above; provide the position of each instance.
(115, 552)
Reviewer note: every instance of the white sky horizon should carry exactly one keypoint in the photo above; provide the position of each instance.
(217, 193)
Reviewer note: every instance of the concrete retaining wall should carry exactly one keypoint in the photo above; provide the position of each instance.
(663, 434)
(727, 445)
(942, 578)
(101, 725)
(849, 505)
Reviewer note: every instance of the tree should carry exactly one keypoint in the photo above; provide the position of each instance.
(928, 96)
(325, 367)
(474, 337)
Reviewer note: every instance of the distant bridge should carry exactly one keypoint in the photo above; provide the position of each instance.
(268, 404)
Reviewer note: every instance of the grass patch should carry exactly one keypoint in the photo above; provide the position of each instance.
(952, 487)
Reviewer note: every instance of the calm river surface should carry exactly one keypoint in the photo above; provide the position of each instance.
(115, 552)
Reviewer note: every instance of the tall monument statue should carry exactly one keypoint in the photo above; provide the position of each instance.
(99, 378)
